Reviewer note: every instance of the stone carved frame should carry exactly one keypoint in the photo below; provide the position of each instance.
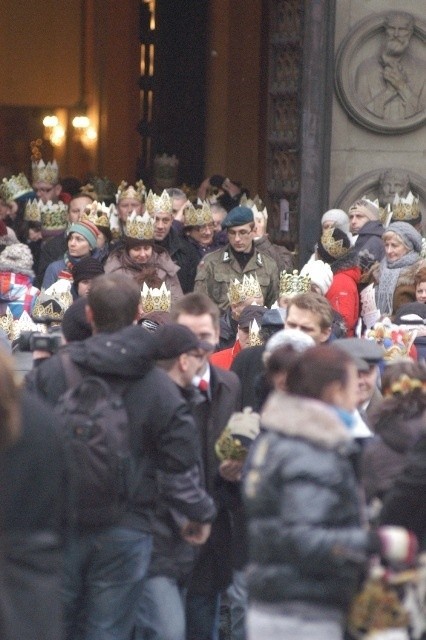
(367, 184)
(348, 56)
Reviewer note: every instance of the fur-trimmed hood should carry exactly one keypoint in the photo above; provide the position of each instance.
(304, 418)
(349, 261)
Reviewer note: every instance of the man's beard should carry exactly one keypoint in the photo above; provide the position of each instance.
(395, 47)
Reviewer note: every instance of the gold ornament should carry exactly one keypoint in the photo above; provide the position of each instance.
(241, 291)
(98, 213)
(154, 299)
(291, 284)
(254, 338)
(33, 211)
(334, 247)
(14, 187)
(125, 190)
(42, 172)
(193, 217)
(159, 204)
(405, 209)
(139, 227)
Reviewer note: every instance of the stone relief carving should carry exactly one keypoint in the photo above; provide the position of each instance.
(384, 184)
(381, 72)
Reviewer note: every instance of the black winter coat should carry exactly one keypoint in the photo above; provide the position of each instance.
(305, 537)
(163, 434)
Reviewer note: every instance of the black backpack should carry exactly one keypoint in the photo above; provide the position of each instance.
(95, 429)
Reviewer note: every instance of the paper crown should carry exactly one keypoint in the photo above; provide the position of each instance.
(241, 291)
(125, 190)
(405, 209)
(291, 284)
(53, 216)
(14, 187)
(98, 213)
(155, 299)
(42, 172)
(158, 204)
(139, 227)
(24, 323)
(385, 213)
(259, 213)
(6, 322)
(193, 217)
(52, 303)
(335, 248)
(234, 441)
(254, 338)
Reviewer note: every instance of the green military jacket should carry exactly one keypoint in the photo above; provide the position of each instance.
(220, 267)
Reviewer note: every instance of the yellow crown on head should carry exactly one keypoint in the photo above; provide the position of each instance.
(405, 209)
(291, 284)
(139, 227)
(24, 323)
(241, 291)
(384, 212)
(193, 217)
(54, 215)
(52, 303)
(33, 211)
(154, 299)
(334, 247)
(254, 338)
(42, 172)
(14, 187)
(159, 204)
(98, 213)
(125, 190)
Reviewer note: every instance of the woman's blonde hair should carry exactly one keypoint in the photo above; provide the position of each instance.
(10, 413)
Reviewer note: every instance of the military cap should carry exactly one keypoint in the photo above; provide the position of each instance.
(238, 216)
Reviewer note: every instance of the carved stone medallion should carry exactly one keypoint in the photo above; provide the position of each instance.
(381, 72)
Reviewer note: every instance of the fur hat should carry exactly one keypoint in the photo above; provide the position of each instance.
(320, 274)
(339, 218)
(18, 259)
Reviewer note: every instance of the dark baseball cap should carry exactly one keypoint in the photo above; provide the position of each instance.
(174, 339)
(250, 313)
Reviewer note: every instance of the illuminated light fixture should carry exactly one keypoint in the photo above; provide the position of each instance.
(81, 122)
(50, 121)
(53, 131)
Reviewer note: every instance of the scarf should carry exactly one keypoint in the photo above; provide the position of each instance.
(389, 274)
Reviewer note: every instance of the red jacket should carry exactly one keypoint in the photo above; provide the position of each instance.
(344, 297)
(224, 358)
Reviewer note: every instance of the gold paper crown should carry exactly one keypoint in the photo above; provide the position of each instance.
(6, 322)
(158, 204)
(52, 303)
(45, 172)
(155, 299)
(89, 190)
(405, 209)
(98, 213)
(254, 338)
(140, 227)
(384, 212)
(24, 323)
(291, 284)
(14, 187)
(54, 216)
(125, 190)
(193, 217)
(334, 247)
(32, 211)
(248, 288)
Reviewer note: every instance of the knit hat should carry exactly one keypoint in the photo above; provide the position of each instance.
(339, 218)
(74, 324)
(87, 269)
(18, 259)
(333, 244)
(320, 274)
(238, 216)
(86, 229)
(409, 236)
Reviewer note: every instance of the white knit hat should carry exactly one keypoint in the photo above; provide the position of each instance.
(17, 258)
(320, 274)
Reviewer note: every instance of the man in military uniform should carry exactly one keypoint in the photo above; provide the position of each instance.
(240, 256)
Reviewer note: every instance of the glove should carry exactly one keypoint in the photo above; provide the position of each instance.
(397, 545)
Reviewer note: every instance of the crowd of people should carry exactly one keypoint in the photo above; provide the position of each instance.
(276, 419)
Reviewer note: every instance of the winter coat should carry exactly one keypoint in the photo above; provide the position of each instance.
(384, 456)
(164, 266)
(369, 245)
(185, 255)
(17, 293)
(405, 502)
(281, 255)
(306, 541)
(163, 435)
(343, 293)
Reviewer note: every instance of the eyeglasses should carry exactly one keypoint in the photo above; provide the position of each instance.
(204, 227)
(242, 232)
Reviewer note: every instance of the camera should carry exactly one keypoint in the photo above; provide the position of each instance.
(39, 341)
